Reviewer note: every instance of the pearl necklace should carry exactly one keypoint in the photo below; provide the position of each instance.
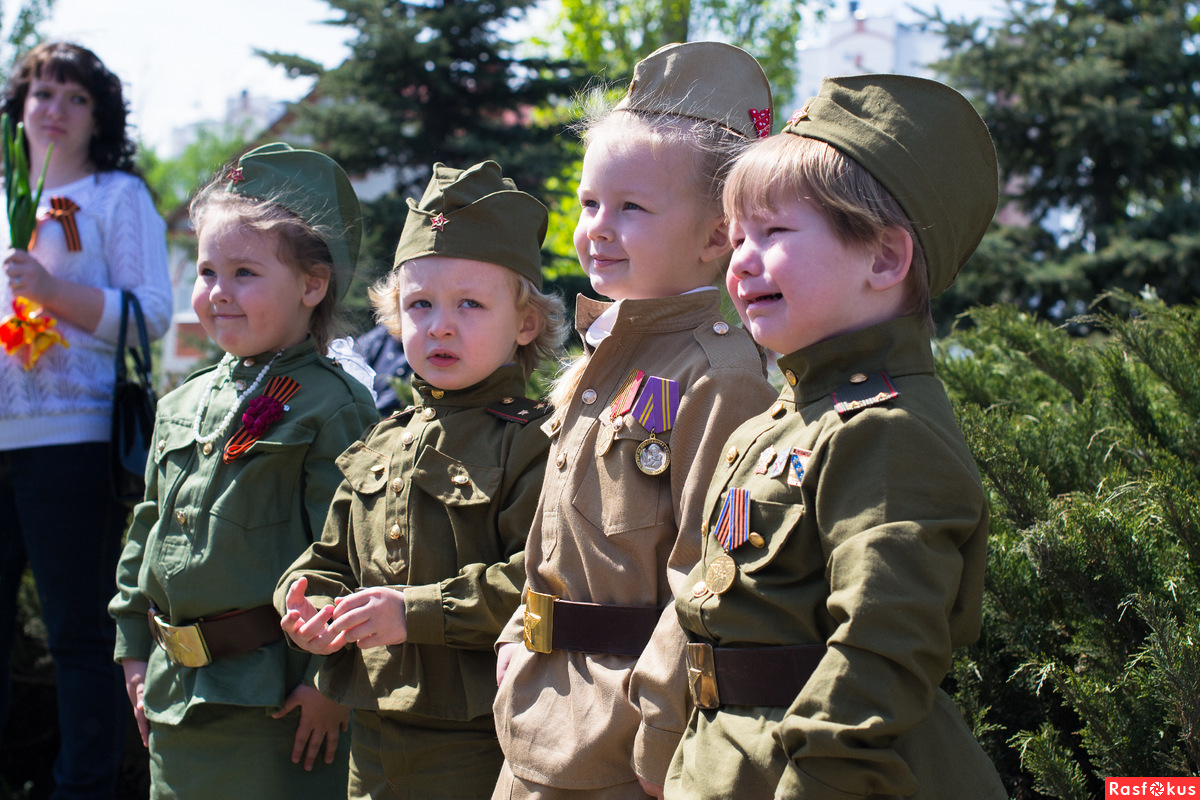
(212, 380)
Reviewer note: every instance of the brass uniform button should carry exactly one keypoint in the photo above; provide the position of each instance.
(207, 448)
(731, 454)
(428, 414)
(757, 540)
(460, 480)
(240, 385)
(555, 424)
(721, 328)
(589, 396)
(858, 377)
(407, 438)
(560, 461)
(700, 589)
(508, 401)
(161, 446)
(397, 485)
(181, 517)
(377, 468)
(791, 377)
(248, 362)
(436, 394)
(394, 533)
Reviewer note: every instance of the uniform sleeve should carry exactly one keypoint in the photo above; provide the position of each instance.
(135, 250)
(130, 607)
(893, 529)
(469, 609)
(709, 411)
(326, 563)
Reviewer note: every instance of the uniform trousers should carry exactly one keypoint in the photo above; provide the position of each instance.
(510, 787)
(58, 516)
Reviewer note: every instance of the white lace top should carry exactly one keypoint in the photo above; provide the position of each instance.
(67, 397)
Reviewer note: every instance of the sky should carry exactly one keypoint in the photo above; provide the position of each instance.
(181, 60)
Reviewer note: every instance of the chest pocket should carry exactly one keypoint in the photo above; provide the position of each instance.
(614, 495)
(174, 447)
(454, 483)
(776, 523)
(364, 469)
(272, 466)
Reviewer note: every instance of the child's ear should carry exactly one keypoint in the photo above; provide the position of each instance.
(717, 244)
(531, 326)
(893, 258)
(315, 287)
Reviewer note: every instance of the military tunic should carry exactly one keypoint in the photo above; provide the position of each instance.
(877, 554)
(606, 533)
(213, 537)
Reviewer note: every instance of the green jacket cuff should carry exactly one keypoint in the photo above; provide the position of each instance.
(133, 639)
(424, 614)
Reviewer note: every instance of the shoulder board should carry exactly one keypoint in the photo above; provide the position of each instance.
(862, 392)
(519, 409)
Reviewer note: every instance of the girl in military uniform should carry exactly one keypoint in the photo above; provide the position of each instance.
(593, 702)
(421, 561)
(239, 483)
(845, 547)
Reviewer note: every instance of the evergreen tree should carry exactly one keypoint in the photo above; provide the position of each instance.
(1094, 107)
(433, 81)
(1089, 662)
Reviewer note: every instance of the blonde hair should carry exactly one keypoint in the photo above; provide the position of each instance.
(298, 245)
(859, 210)
(549, 308)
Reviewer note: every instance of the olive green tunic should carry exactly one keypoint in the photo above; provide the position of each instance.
(437, 499)
(879, 555)
(213, 537)
(605, 532)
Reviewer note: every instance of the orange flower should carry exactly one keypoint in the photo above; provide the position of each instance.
(29, 332)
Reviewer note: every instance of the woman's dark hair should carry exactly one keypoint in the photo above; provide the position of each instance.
(110, 147)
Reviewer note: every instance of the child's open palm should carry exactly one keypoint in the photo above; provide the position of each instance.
(307, 625)
(321, 720)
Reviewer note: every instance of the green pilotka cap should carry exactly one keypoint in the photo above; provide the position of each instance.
(710, 81)
(313, 187)
(928, 147)
(476, 213)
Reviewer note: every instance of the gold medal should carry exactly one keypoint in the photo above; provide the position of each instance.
(652, 456)
(720, 574)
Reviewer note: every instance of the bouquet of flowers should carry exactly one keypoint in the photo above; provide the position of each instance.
(28, 331)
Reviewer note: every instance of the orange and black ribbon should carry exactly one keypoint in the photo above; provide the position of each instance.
(733, 523)
(279, 390)
(63, 210)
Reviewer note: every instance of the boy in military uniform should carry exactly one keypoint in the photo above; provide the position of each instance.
(845, 532)
(421, 560)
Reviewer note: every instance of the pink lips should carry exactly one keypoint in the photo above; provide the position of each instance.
(442, 358)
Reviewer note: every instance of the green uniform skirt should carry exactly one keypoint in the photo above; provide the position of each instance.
(401, 756)
(221, 752)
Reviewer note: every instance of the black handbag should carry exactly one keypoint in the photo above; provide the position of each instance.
(133, 409)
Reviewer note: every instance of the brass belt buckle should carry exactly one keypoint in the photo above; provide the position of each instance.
(184, 644)
(539, 621)
(702, 676)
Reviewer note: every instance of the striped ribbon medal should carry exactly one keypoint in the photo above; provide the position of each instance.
(655, 409)
(733, 523)
(260, 413)
(62, 209)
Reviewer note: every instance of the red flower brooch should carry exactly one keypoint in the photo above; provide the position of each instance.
(261, 413)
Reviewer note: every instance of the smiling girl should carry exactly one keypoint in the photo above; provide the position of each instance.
(240, 481)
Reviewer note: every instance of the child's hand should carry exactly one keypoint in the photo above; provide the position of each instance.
(307, 626)
(652, 789)
(504, 657)
(135, 687)
(321, 720)
(372, 617)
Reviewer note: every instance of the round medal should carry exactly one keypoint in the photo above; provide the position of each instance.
(720, 574)
(652, 456)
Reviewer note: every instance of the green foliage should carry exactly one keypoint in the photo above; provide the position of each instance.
(22, 200)
(1088, 664)
(174, 180)
(22, 34)
(1094, 110)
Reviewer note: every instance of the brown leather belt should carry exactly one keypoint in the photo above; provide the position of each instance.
(204, 641)
(749, 676)
(553, 624)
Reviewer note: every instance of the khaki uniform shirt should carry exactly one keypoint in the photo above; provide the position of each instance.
(878, 555)
(438, 500)
(213, 537)
(607, 533)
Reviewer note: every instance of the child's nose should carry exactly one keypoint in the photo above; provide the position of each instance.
(745, 261)
(217, 292)
(599, 227)
(441, 326)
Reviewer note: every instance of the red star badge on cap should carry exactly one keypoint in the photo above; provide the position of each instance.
(438, 223)
(235, 175)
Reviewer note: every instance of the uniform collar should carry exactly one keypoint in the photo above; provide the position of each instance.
(291, 357)
(899, 346)
(656, 314)
(508, 381)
